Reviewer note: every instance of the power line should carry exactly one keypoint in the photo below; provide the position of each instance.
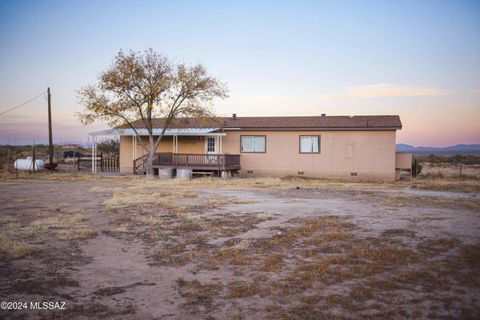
(22, 104)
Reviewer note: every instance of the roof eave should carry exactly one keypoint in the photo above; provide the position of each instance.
(315, 129)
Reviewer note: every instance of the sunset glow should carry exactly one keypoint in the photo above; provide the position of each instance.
(417, 59)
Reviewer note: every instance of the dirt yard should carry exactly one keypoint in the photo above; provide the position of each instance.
(130, 248)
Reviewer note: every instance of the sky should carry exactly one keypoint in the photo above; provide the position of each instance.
(417, 59)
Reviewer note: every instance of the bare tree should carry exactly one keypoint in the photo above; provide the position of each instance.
(147, 85)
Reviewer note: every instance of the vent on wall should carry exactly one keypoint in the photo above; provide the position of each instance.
(249, 171)
(354, 174)
(300, 173)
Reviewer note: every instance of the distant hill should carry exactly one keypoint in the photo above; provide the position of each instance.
(456, 149)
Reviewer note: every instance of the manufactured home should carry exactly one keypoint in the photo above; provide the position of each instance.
(344, 147)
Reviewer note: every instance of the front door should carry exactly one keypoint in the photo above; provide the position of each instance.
(211, 145)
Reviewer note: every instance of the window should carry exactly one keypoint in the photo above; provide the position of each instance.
(309, 144)
(210, 144)
(252, 144)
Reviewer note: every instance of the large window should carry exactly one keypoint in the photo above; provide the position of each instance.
(309, 144)
(252, 144)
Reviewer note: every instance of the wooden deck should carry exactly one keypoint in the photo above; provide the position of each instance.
(194, 161)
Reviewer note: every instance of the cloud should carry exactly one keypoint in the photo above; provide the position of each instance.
(475, 91)
(385, 90)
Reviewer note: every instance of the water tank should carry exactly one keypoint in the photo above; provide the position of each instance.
(184, 174)
(27, 164)
(165, 173)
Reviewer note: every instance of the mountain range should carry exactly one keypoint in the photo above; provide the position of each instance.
(455, 149)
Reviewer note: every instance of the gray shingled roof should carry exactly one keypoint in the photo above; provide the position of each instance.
(387, 122)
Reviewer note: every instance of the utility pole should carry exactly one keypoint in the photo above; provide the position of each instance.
(50, 139)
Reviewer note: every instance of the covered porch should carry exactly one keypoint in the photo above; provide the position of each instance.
(198, 149)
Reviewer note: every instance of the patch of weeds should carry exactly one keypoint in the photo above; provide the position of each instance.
(65, 226)
(242, 289)
(14, 249)
(398, 233)
(9, 223)
(172, 255)
(198, 296)
(234, 256)
(439, 245)
(140, 196)
(101, 190)
(38, 282)
(361, 293)
(273, 262)
(111, 291)
(150, 220)
(122, 199)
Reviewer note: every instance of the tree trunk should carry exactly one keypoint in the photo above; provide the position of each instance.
(150, 157)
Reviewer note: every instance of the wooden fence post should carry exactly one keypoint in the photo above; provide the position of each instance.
(34, 157)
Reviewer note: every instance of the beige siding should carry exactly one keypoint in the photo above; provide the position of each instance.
(185, 145)
(369, 154)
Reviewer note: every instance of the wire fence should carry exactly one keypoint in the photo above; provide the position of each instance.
(65, 159)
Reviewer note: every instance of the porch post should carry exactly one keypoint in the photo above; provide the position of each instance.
(134, 153)
(94, 155)
(174, 143)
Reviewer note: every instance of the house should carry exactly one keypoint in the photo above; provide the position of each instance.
(345, 147)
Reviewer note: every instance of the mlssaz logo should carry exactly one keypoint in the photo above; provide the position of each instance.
(37, 305)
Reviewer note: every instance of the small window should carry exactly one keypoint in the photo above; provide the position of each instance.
(252, 144)
(309, 144)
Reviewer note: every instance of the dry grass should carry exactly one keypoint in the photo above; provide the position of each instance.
(177, 199)
(241, 289)
(319, 267)
(9, 223)
(150, 220)
(11, 244)
(317, 256)
(400, 200)
(273, 262)
(448, 184)
(438, 245)
(14, 249)
(172, 255)
(101, 189)
(122, 199)
(64, 226)
(398, 233)
(456, 184)
(198, 296)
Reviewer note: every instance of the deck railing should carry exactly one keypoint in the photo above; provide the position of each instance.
(192, 160)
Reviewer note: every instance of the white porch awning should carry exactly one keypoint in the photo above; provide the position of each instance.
(157, 131)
